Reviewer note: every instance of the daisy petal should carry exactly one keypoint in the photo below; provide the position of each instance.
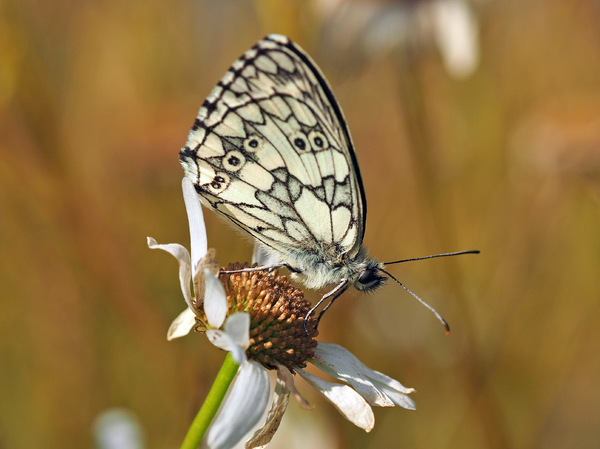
(348, 402)
(238, 328)
(198, 239)
(182, 325)
(215, 301)
(399, 399)
(394, 390)
(376, 388)
(393, 384)
(279, 404)
(284, 375)
(224, 341)
(343, 365)
(185, 273)
(242, 409)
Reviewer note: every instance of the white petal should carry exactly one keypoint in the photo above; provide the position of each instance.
(348, 402)
(393, 384)
(284, 375)
(224, 341)
(215, 301)
(377, 388)
(242, 409)
(343, 365)
(198, 239)
(263, 256)
(395, 391)
(279, 404)
(238, 328)
(185, 273)
(182, 325)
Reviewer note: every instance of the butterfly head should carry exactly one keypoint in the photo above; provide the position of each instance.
(370, 278)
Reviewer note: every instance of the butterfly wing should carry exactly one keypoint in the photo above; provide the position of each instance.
(270, 150)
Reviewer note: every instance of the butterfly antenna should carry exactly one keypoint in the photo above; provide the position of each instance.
(435, 312)
(433, 256)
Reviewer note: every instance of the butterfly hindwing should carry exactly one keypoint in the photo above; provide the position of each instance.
(270, 150)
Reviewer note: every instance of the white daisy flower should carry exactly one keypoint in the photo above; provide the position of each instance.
(259, 318)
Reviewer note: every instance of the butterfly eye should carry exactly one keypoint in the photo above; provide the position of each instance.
(219, 183)
(369, 280)
(318, 140)
(300, 142)
(233, 161)
(252, 143)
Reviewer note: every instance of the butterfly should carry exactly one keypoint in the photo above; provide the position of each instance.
(271, 152)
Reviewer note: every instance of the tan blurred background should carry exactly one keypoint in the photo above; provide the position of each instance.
(476, 125)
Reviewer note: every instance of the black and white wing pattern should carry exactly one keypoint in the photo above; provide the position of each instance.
(270, 150)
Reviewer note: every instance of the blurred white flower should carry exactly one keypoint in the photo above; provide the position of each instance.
(456, 32)
(356, 32)
(118, 428)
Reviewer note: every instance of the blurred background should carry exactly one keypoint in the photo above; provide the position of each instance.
(477, 126)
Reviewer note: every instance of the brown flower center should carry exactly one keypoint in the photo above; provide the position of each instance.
(277, 311)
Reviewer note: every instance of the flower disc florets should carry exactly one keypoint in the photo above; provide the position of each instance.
(277, 311)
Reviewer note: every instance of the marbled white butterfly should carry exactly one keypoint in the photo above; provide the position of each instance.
(271, 152)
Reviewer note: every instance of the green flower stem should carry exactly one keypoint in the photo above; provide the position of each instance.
(211, 404)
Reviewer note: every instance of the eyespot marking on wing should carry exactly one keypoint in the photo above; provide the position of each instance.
(219, 183)
(234, 161)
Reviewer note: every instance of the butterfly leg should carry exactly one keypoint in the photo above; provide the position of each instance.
(333, 294)
(270, 268)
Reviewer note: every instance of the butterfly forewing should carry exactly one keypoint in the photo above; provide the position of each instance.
(270, 150)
